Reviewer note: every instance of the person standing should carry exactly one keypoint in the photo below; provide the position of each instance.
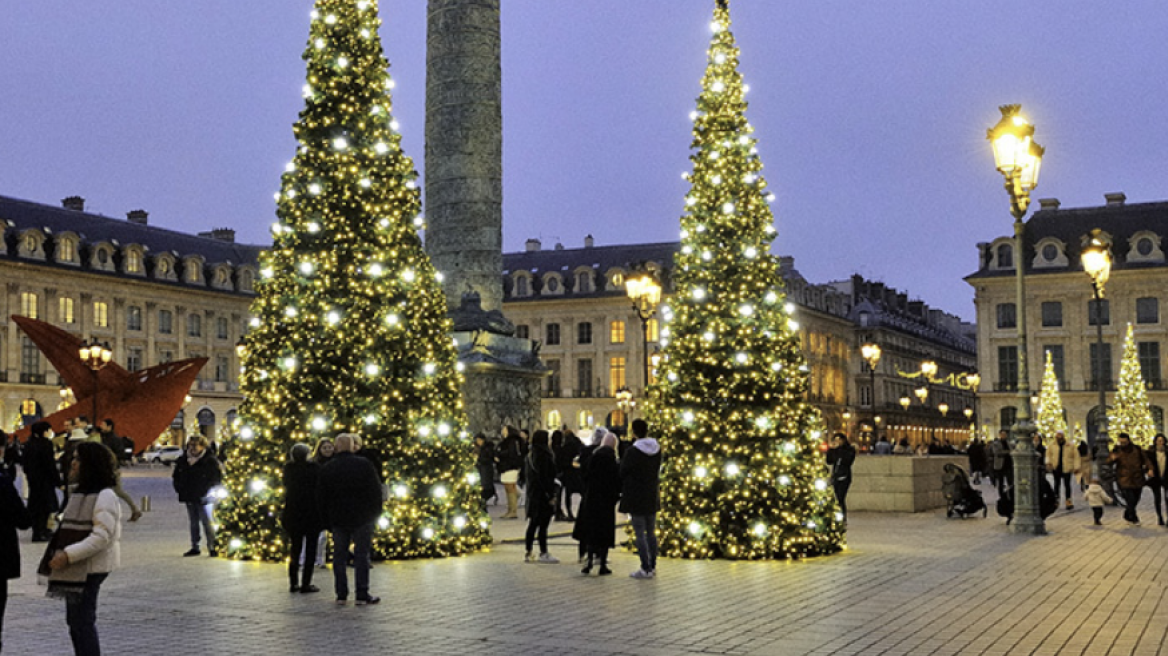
(882, 447)
(596, 520)
(977, 459)
(1062, 461)
(509, 459)
(1131, 468)
(539, 476)
(79, 569)
(349, 499)
(1001, 463)
(321, 455)
(301, 517)
(195, 473)
(43, 478)
(485, 466)
(640, 472)
(840, 457)
(568, 469)
(1158, 481)
(13, 515)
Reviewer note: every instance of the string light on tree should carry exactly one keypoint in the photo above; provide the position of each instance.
(732, 366)
(327, 352)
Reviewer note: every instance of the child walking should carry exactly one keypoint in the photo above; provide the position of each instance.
(1096, 497)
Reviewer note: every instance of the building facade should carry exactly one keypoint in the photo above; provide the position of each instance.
(154, 295)
(574, 302)
(1060, 311)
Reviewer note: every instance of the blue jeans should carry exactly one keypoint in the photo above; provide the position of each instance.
(81, 615)
(645, 531)
(200, 513)
(361, 537)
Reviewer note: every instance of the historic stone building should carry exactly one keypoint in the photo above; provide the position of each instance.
(155, 295)
(1059, 302)
(574, 302)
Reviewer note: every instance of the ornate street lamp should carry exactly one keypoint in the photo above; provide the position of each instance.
(1019, 158)
(645, 291)
(1096, 258)
(871, 354)
(944, 408)
(922, 394)
(624, 401)
(95, 355)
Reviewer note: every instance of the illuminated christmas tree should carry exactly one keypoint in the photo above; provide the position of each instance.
(350, 332)
(1130, 412)
(743, 476)
(1051, 417)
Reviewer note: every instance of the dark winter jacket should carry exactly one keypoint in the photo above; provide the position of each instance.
(13, 515)
(1130, 466)
(40, 470)
(349, 492)
(977, 456)
(193, 481)
(1157, 477)
(841, 458)
(596, 519)
(539, 477)
(566, 456)
(301, 514)
(640, 472)
(509, 455)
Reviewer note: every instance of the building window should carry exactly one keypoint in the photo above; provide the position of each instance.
(1149, 353)
(1008, 417)
(222, 369)
(221, 328)
(1005, 256)
(616, 373)
(1056, 361)
(1052, 314)
(1050, 252)
(101, 314)
(133, 262)
(222, 277)
(584, 377)
(521, 286)
(553, 381)
(103, 257)
(133, 318)
(553, 334)
(866, 395)
(194, 325)
(193, 268)
(30, 361)
(553, 284)
(1007, 368)
(66, 250)
(165, 322)
(584, 332)
(28, 305)
(652, 327)
(616, 332)
(1098, 312)
(583, 282)
(1100, 366)
(1148, 310)
(522, 331)
(165, 356)
(65, 309)
(1007, 315)
(133, 359)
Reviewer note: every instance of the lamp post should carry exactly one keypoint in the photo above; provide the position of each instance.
(96, 356)
(646, 294)
(1019, 158)
(1096, 260)
(624, 401)
(871, 354)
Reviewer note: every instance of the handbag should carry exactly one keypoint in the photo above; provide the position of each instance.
(64, 537)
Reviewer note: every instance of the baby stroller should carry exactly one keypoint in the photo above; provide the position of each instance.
(963, 499)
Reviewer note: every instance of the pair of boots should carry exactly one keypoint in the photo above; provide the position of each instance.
(512, 505)
(604, 570)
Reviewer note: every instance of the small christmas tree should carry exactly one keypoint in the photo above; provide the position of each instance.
(350, 331)
(1130, 412)
(743, 476)
(1051, 418)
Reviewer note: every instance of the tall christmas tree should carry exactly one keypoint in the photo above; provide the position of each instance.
(350, 331)
(1051, 417)
(1130, 412)
(743, 476)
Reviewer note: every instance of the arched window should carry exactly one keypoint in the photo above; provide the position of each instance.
(206, 419)
(1006, 256)
(583, 282)
(521, 288)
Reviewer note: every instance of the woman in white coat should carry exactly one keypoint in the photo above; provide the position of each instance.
(93, 515)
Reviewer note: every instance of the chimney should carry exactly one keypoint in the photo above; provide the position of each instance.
(588, 241)
(73, 203)
(1048, 204)
(533, 245)
(1115, 199)
(137, 216)
(559, 246)
(220, 234)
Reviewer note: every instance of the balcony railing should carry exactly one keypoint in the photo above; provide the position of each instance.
(32, 379)
(1108, 385)
(1009, 386)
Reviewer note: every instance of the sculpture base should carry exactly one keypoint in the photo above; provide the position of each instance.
(503, 381)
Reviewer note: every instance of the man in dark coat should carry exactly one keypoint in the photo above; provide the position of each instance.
(195, 473)
(13, 515)
(301, 516)
(840, 457)
(349, 498)
(1131, 470)
(40, 471)
(640, 472)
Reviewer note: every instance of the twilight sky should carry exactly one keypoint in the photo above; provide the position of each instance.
(871, 116)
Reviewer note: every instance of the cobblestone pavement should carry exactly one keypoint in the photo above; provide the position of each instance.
(908, 584)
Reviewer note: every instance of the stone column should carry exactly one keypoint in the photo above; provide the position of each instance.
(464, 148)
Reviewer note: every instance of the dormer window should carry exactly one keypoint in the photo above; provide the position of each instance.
(1144, 246)
(193, 271)
(32, 245)
(1050, 253)
(583, 282)
(522, 288)
(553, 284)
(66, 250)
(1005, 256)
(133, 261)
